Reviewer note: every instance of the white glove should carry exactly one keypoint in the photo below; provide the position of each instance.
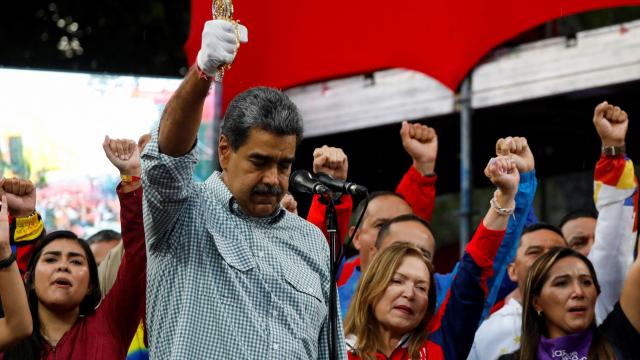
(219, 44)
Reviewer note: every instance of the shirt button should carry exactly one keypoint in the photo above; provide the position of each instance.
(261, 254)
(276, 346)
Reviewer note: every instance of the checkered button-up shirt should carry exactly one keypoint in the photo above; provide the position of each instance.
(224, 285)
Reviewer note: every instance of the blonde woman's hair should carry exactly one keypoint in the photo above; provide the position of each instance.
(361, 321)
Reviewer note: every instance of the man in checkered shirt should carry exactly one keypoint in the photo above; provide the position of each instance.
(231, 274)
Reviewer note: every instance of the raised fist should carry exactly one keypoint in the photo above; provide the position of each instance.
(421, 143)
(21, 196)
(611, 123)
(124, 154)
(503, 173)
(331, 161)
(518, 149)
(220, 42)
(289, 203)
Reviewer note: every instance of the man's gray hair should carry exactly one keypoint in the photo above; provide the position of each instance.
(264, 108)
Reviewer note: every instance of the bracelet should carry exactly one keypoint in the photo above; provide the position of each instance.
(613, 150)
(29, 220)
(501, 211)
(5, 263)
(201, 74)
(128, 179)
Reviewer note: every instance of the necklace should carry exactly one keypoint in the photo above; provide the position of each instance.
(52, 342)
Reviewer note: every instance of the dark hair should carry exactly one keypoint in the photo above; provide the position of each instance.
(578, 213)
(542, 226)
(534, 325)
(104, 235)
(264, 108)
(384, 230)
(31, 347)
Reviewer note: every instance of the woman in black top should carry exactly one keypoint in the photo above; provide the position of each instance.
(558, 317)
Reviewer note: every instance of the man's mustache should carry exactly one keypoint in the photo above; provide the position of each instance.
(262, 189)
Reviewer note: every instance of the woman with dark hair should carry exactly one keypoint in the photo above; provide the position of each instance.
(69, 321)
(16, 322)
(558, 317)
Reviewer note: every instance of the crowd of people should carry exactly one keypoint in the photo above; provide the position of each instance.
(227, 268)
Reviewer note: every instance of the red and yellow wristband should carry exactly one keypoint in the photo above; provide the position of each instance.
(128, 179)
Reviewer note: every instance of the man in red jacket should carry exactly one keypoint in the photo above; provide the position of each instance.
(415, 194)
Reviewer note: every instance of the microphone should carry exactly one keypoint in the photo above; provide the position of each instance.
(302, 181)
(342, 186)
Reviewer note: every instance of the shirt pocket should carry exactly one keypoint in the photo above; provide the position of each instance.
(307, 303)
(232, 266)
(232, 249)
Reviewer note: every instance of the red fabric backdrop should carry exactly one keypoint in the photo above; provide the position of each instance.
(293, 42)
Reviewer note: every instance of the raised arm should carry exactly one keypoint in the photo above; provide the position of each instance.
(517, 148)
(26, 226)
(456, 321)
(503, 173)
(334, 162)
(120, 153)
(124, 305)
(615, 187)
(171, 156)
(16, 323)
(181, 118)
(418, 184)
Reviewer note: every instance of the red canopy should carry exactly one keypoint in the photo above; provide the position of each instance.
(293, 42)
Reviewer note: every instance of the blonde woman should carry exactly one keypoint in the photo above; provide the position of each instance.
(392, 306)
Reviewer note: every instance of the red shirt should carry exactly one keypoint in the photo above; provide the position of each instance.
(107, 333)
(430, 351)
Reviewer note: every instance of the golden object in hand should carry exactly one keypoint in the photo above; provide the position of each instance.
(223, 10)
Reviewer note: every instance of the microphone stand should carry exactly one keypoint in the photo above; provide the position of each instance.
(334, 252)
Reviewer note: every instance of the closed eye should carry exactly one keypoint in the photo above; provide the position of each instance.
(560, 283)
(285, 165)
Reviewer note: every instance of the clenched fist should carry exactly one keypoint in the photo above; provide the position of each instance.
(331, 161)
(611, 123)
(421, 143)
(21, 196)
(124, 154)
(220, 42)
(503, 173)
(517, 149)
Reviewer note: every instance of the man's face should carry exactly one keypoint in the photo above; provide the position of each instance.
(532, 246)
(257, 173)
(100, 249)
(380, 210)
(580, 234)
(411, 232)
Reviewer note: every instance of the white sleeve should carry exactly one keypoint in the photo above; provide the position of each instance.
(612, 251)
